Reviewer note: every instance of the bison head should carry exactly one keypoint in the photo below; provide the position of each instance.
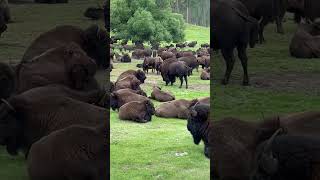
(266, 163)
(141, 75)
(10, 128)
(114, 101)
(149, 110)
(7, 80)
(97, 45)
(80, 67)
(198, 121)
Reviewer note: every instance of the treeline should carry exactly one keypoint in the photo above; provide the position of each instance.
(194, 11)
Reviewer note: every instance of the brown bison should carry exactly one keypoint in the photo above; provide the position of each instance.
(175, 109)
(119, 98)
(161, 96)
(138, 73)
(74, 152)
(140, 92)
(178, 69)
(158, 63)
(93, 40)
(130, 82)
(138, 111)
(205, 74)
(149, 63)
(234, 141)
(306, 41)
(68, 65)
(27, 117)
(166, 55)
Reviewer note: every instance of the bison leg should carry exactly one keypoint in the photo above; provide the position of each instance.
(279, 25)
(181, 81)
(229, 59)
(242, 54)
(263, 23)
(186, 79)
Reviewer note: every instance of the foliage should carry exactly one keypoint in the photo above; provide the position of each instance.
(146, 21)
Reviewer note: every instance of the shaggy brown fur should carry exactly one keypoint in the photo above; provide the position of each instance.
(139, 111)
(161, 96)
(118, 98)
(205, 75)
(68, 65)
(175, 109)
(75, 152)
(130, 82)
(138, 73)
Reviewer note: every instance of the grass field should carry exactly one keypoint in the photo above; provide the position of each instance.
(280, 84)
(29, 21)
(151, 150)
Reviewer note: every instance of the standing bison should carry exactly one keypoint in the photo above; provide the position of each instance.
(178, 69)
(233, 28)
(93, 41)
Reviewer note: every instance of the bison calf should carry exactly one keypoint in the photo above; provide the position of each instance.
(139, 111)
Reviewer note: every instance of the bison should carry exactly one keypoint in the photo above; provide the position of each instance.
(161, 96)
(130, 82)
(138, 73)
(178, 69)
(149, 63)
(175, 109)
(119, 98)
(138, 111)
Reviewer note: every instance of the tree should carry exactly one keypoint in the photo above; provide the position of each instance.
(146, 21)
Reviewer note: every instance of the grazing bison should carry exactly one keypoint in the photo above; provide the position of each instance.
(235, 141)
(7, 81)
(178, 69)
(205, 74)
(130, 82)
(68, 65)
(199, 125)
(166, 55)
(158, 63)
(138, 73)
(306, 41)
(288, 157)
(161, 96)
(125, 58)
(94, 13)
(119, 98)
(149, 63)
(175, 109)
(233, 28)
(74, 152)
(30, 116)
(139, 111)
(94, 41)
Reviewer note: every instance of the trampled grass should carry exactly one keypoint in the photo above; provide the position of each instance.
(151, 150)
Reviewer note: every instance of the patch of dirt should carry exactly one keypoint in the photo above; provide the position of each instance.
(291, 82)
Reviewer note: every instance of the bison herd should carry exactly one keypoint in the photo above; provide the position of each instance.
(53, 109)
(239, 23)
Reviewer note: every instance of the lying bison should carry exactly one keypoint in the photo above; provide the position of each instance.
(236, 141)
(205, 74)
(49, 157)
(175, 109)
(288, 157)
(68, 65)
(161, 96)
(138, 111)
(306, 41)
(138, 73)
(93, 41)
(130, 82)
(125, 58)
(31, 116)
(119, 98)
(233, 28)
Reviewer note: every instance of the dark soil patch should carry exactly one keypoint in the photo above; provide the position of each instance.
(308, 83)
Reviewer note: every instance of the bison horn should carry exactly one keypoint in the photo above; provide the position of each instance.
(8, 105)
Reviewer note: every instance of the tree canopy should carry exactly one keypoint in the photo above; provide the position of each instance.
(146, 21)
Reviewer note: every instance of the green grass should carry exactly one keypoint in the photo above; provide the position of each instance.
(253, 103)
(148, 151)
(30, 20)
